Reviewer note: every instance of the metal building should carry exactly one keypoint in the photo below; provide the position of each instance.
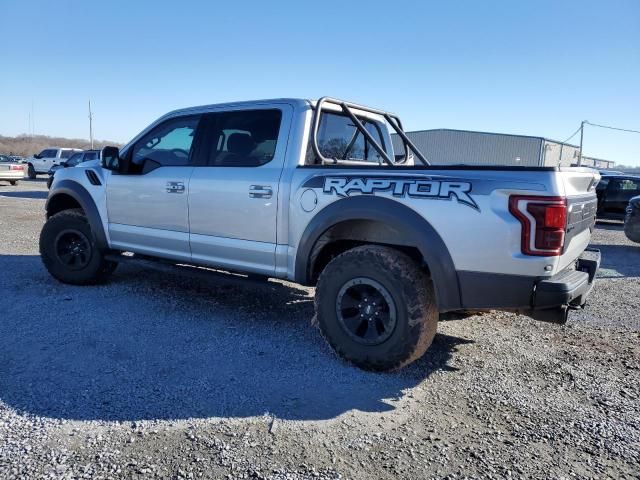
(463, 147)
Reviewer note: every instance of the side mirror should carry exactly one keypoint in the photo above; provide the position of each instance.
(110, 158)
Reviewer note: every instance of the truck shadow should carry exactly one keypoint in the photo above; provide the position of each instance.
(159, 343)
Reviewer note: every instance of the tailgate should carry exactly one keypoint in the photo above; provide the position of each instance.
(580, 190)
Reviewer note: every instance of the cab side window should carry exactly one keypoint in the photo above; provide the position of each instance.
(67, 153)
(168, 144)
(48, 153)
(243, 138)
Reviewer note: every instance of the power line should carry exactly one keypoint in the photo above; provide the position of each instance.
(611, 128)
(573, 134)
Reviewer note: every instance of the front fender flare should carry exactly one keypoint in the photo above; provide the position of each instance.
(417, 231)
(80, 194)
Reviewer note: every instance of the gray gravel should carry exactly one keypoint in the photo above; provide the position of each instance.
(176, 372)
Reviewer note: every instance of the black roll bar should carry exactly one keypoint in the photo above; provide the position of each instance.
(346, 107)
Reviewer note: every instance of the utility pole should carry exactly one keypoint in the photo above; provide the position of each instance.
(90, 125)
(581, 136)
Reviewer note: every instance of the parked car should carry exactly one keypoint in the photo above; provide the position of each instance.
(10, 171)
(632, 220)
(614, 193)
(73, 161)
(47, 158)
(17, 158)
(312, 192)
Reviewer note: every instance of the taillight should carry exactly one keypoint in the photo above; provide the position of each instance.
(543, 221)
(16, 167)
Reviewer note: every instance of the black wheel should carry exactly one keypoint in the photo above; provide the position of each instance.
(13, 182)
(49, 182)
(31, 172)
(69, 252)
(376, 307)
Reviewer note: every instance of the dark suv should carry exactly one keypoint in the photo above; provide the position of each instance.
(72, 161)
(614, 193)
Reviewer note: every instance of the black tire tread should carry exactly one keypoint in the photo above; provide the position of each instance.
(418, 296)
(102, 268)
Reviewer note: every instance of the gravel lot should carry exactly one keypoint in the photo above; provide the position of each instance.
(173, 372)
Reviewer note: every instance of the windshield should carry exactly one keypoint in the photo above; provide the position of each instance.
(74, 160)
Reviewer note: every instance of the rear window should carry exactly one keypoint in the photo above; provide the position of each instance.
(625, 186)
(338, 138)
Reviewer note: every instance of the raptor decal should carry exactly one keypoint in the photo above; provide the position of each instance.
(401, 187)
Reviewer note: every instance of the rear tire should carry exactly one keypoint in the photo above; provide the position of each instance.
(69, 251)
(13, 182)
(31, 172)
(376, 308)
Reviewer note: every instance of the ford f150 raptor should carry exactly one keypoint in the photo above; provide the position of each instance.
(313, 192)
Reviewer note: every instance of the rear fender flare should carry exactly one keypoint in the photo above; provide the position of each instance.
(416, 231)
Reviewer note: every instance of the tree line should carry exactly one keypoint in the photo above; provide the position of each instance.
(28, 145)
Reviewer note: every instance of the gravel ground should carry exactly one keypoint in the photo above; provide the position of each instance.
(174, 372)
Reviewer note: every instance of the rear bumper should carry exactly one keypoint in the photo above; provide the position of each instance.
(546, 299)
(11, 175)
(569, 287)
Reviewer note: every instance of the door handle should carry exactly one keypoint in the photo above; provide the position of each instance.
(260, 191)
(175, 187)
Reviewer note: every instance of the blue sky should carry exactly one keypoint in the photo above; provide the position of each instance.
(525, 67)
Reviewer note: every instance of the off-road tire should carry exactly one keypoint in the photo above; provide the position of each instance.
(31, 172)
(632, 231)
(410, 289)
(96, 270)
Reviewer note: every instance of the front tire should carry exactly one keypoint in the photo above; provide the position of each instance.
(69, 251)
(376, 307)
(31, 172)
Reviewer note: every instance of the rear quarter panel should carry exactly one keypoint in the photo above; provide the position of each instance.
(477, 228)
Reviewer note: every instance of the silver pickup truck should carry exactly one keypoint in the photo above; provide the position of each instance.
(313, 192)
